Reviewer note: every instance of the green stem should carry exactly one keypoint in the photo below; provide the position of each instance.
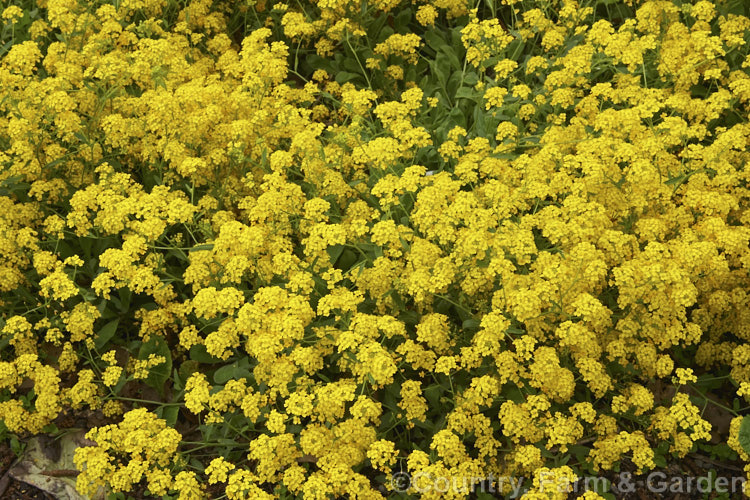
(147, 401)
(715, 403)
(364, 72)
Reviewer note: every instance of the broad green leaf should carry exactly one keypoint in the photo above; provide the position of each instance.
(432, 395)
(434, 40)
(105, 334)
(5, 48)
(441, 71)
(347, 260)
(334, 252)
(454, 83)
(199, 353)
(187, 368)
(169, 414)
(470, 324)
(235, 371)
(480, 121)
(158, 375)
(744, 434)
(466, 93)
(125, 296)
(346, 76)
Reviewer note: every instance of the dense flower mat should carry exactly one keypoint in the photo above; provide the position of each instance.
(290, 250)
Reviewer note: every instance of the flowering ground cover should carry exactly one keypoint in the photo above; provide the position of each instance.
(376, 249)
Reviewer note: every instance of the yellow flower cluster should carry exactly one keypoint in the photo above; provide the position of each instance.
(47, 402)
(140, 447)
(330, 241)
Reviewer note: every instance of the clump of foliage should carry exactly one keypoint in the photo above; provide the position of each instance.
(296, 249)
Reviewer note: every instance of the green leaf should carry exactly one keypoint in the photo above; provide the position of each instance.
(739, 7)
(86, 243)
(451, 56)
(81, 137)
(456, 118)
(334, 252)
(5, 48)
(470, 324)
(397, 300)
(485, 496)
(351, 64)
(466, 93)
(169, 413)
(676, 180)
(235, 371)
(434, 40)
(455, 82)
(346, 76)
(479, 121)
(105, 334)
(402, 19)
(158, 375)
(16, 446)
(409, 317)
(744, 434)
(202, 247)
(125, 296)
(199, 353)
(432, 395)
(441, 72)
(187, 368)
(347, 260)
(178, 254)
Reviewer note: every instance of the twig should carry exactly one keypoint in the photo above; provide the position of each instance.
(61, 473)
(714, 462)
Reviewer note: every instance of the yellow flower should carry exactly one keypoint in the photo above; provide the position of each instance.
(382, 454)
(494, 97)
(196, 393)
(111, 375)
(426, 15)
(125, 452)
(12, 13)
(684, 376)
(218, 469)
(446, 365)
(186, 483)
(275, 422)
